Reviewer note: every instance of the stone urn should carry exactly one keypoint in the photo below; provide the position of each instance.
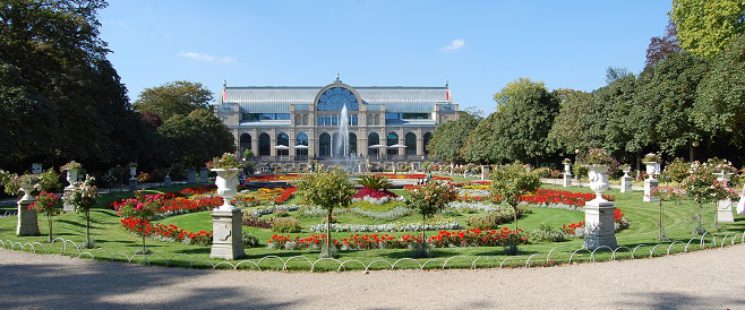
(568, 168)
(132, 172)
(72, 177)
(598, 180)
(227, 183)
(27, 189)
(27, 224)
(651, 169)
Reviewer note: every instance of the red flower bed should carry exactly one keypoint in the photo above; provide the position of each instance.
(274, 177)
(167, 232)
(376, 194)
(190, 205)
(190, 191)
(552, 196)
(285, 195)
(471, 237)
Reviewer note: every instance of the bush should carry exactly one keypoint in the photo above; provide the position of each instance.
(677, 170)
(547, 233)
(285, 225)
(255, 221)
(249, 240)
(493, 219)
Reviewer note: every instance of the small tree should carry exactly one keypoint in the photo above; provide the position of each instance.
(46, 203)
(513, 181)
(83, 198)
(141, 209)
(327, 189)
(428, 200)
(666, 193)
(702, 184)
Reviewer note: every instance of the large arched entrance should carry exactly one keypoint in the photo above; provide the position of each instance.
(372, 140)
(301, 145)
(265, 145)
(245, 144)
(392, 139)
(324, 145)
(284, 140)
(410, 142)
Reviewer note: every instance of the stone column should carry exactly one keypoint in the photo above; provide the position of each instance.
(272, 146)
(626, 182)
(132, 178)
(72, 177)
(191, 176)
(28, 224)
(484, 172)
(255, 144)
(599, 222)
(650, 183)
(203, 175)
(419, 146)
(724, 206)
(167, 180)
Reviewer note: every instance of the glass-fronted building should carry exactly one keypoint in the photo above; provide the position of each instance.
(296, 123)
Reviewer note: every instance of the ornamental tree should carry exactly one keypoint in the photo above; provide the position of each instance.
(327, 189)
(705, 26)
(46, 203)
(513, 181)
(448, 138)
(666, 193)
(141, 209)
(428, 200)
(702, 185)
(83, 198)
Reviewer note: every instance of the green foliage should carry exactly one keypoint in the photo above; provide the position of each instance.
(226, 161)
(677, 170)
(49, 180)
(194, 139)
(580, 123)
(249, 240)
(512, 181)
(705, 26)
(720, 102)
(547, 233)
(478, 147)
(83, 196)
(525, 112)
(71, 165)
(285, 225)
(494, 219)
(374, 182)
(448, 138)
(431, 198)
(596, 156)
(174, 98)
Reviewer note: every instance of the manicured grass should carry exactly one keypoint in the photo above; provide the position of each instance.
(114, 242)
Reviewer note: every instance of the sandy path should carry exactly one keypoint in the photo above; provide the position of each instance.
(713, 279)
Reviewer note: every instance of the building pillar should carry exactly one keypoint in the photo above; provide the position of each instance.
(402, 141)
(419, 146)
(291, 143)
(272, 146)
(255, 143)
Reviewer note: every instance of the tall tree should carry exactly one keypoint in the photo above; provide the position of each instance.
(580, 123)
(479, 146)
(175, 98)
(448, 138)
(621, 129)
(525, 114)
(660, 47)
(705, 26)
(720, 103)
(196, 138)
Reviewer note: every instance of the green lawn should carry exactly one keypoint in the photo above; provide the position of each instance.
(115, 243)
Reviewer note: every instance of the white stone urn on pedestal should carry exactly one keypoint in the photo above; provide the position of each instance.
(599, 221)
(226, 219)
(626, 180)
(27, 224)
(72, 177)
(651, 183)
(567, 174)
(132, 177)
(724, 206)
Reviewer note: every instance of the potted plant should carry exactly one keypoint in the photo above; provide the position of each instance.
(72, 168)
(83, 197)
(132, 170)
(46, 203)
(328, 189)
(227, 167)
(598, 161)
(652, 161)
(567, 166)
(428, 200)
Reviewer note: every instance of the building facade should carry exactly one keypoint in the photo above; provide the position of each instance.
(298, 123)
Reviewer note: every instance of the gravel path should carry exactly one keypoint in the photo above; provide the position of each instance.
(712, 279)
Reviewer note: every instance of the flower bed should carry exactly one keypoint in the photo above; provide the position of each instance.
(551, 196)
(395, 227)
(191, 191)
(269, 210)
(444, 238)
(274, 177)
(169, 233)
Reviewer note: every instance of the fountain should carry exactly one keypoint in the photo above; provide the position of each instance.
(342, 156)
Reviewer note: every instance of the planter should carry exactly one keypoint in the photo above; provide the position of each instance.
(132, 172)
(652, 169)
(227, 184)
(72, 177)
(598, 180)
(27, 190)
(568, 168)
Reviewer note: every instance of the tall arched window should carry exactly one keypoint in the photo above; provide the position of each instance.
(392, 139)
(245, 143)
(283, 139)
(426, 138)
(301, 139)
(352, 143)
(265, 145)
(324, 141)
(372, 140)
(410, 142)
(334, 98)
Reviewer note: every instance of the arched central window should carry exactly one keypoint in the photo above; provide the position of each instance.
(265, 147)
(410, 142)
(324, 142)
(392, 139)
(373, 140)
(333, 99)
(302, 139)
(284, 140)
(245, 144)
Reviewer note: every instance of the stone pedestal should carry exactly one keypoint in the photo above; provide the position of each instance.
(724, 211)
(191, 176)
(203, 173)
(599, 224)
(649, 186)
(226, 234)
(28, 225)
(567, 180)
(132, 184)
(626, 184)
(167, 180)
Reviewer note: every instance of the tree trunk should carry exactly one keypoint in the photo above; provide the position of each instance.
(328, 230)
(51, 234)
(142, 230)
(662, 233)
(514, 214)
(88, 227)
(424, 221)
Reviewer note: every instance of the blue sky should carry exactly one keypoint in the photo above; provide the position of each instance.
(478, 46)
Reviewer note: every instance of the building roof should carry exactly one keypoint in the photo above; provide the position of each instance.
(270, 99)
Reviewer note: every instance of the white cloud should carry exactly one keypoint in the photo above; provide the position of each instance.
(206, 57)
(454, 45)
